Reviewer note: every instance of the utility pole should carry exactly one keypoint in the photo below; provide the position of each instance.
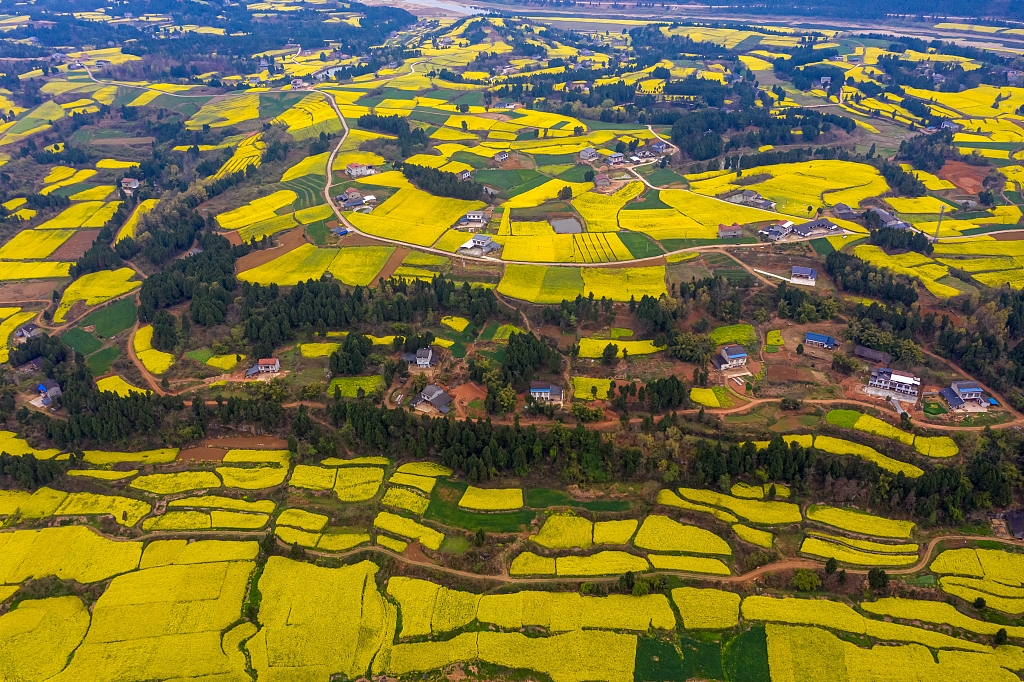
(938, 226)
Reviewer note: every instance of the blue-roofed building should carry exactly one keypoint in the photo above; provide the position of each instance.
(967, 390)
(731, 357)
(820, 340)
(802, 275)
(955, 402)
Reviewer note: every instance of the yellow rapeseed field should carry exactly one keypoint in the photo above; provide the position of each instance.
(414, 216)
(226, 111)
(256, 210)
(408, 528)
(115, 384)
(707, 609)
(492, 499)
(95, 288)
(755, 511)
(859, 522)
(305, 262)
(600, 210)
(154, 360)
(662, 534)
(311, 116)
(311, 165)
(34, 244)
(73, 216)
(129, 229)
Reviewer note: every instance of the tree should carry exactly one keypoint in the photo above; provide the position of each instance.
(878, 579)
(505, 401)
(480, 537)
(565, 194)
(799, 349)
(979, 603)
(831, 566)
(609, 353)
(588, 176)
(805, 580)
(1001, 637)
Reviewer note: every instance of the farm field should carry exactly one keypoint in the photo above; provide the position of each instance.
(379, 341)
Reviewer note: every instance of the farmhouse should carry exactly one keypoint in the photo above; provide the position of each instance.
(730, 357)
(804, 276)
(872, 355)
(657, 146)
(50, 389)
(483, 242)
(729, 231)
(546, 392)
(616, 157)
(602, 180)
(359, 170)
(844, 212)
(897, 382)
(955, 402)
(432, 398)
(968, 391)
(424, 358)
(774, 233)
(473, 217)
(588, 154)
(820, 340)
(268, 365)
(465, 175)
(26, 332)
(501, 156)
(129, 185)
(889, 220)
(816, 228)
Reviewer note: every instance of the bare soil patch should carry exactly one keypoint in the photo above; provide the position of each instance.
(1008, 235)
(29, 291)
(397, 256)
(75, 248)
(415, 552)
(782, 373)
(464, 395)
(964, 176)
(270, 442)
(287, 241)
(202, 455)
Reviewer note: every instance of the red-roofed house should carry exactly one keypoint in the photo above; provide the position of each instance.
(266, 365)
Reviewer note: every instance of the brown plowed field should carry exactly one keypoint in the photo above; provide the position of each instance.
(75, 248)
(286, 241)
(964, 176)
(202, 455)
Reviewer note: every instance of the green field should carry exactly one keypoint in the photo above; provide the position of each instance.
(309, 188)
(99, 362)
(445, 511)
(81, 341)
(113, 318)
(640, 245)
